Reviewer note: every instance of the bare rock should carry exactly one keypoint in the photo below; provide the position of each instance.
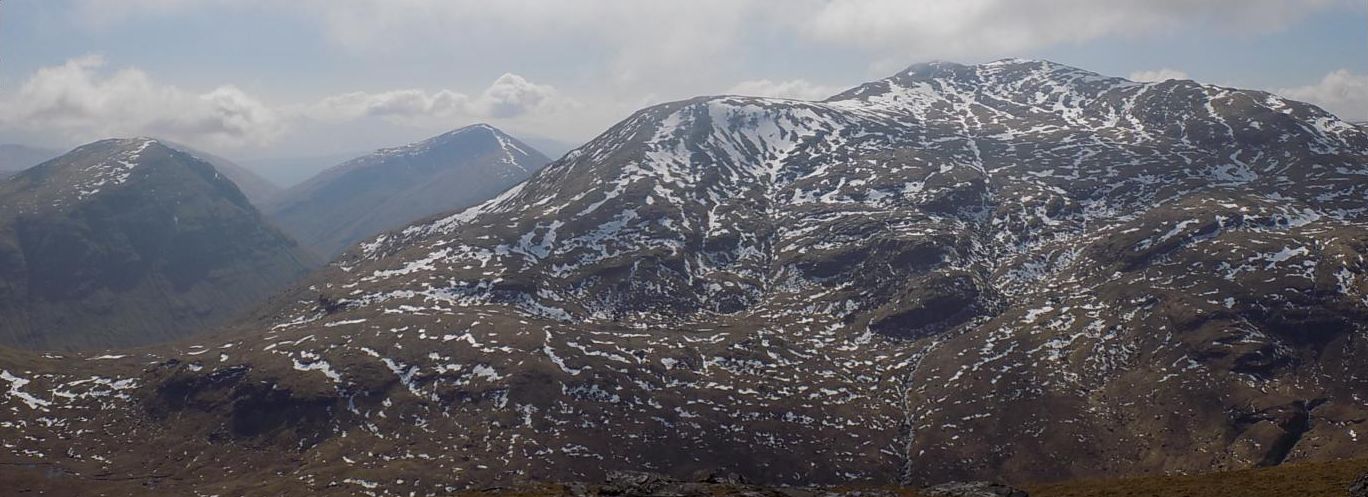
(973, 489)
(1360, 486)
(635, 483)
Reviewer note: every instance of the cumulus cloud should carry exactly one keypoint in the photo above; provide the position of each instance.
(1156, 75)
(510, 96)
(617, 54)
(798, 89)
(1342, 92)
(82, 101)
(396, 105)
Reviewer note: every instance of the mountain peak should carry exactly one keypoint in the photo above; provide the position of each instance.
(1002, 71)
(463, 136)
(472, 128)
(101, 165)
(122, 144)
(136, 241)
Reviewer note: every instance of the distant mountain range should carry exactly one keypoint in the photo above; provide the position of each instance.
(1016, 270)
(393, 187)
(130, 242)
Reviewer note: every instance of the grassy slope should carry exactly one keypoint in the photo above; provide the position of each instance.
(1319, 479)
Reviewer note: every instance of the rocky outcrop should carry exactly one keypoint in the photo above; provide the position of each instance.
(973, 489)
(1360, 487)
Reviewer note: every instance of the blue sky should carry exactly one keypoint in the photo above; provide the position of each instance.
(262, 78)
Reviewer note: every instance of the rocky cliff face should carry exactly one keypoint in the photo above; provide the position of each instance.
(129, 242)
(1017, 269)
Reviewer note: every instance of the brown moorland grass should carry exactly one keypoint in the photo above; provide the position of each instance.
(1312, 479)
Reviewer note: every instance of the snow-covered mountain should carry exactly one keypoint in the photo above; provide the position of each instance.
(1017, 269)
(393, 187)
(129, 242)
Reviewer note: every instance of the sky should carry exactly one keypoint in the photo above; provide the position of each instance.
(252, 79)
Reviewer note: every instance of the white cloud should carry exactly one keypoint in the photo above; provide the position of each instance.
(624, 43)
(798, 89)
(510, 96)
(396, 105)
(1157, 75)
(616, 55)
(1341, 92)
(81, 101)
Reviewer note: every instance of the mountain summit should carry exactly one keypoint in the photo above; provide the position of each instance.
(397, 186)
(128, 242)
(1014, 270)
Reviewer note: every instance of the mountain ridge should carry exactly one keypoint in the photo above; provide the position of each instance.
(944, 274)
(259, 190)
(394, 186)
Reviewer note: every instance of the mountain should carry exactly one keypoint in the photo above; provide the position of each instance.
(393, 187)
(128, 242)
(258, 190)
(15, 158)
(1017, 270)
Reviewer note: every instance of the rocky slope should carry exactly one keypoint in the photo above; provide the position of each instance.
(393, 187)
(128, 242)
(1017, 269)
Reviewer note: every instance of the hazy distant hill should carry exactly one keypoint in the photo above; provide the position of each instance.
(396, 186)
(15, 158)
